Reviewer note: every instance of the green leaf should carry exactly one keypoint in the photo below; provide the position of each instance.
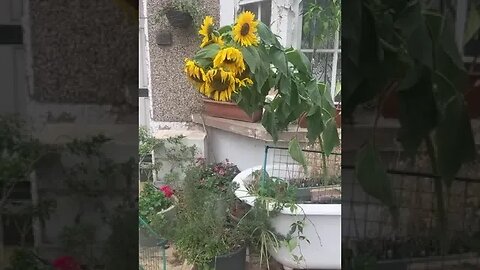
(314, 92)
(267, 36)
(299, 60)
(292, 244)
(225, 29)
(330, 136)
(270, 122)
(315, 123)
(208, 51)
(296, 153)
(251, 57)
(279, 60)
(372, 176)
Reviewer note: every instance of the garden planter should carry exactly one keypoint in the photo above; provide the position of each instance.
(232, 261)
(178, 19)
(322, 229)
(323, 194)
(229, 110)
(338, 118)
(170, 212)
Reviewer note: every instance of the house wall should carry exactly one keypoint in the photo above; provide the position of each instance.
(173, 97)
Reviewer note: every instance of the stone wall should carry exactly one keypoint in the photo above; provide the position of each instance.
(173, 97)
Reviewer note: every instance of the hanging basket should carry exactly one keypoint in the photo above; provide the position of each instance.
(178, 19)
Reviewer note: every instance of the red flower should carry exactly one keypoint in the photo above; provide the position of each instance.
(167, 191)
(66, 263)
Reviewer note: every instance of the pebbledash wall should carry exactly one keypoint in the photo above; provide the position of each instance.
(173, 99)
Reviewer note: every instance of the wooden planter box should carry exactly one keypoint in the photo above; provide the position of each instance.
(229, 110)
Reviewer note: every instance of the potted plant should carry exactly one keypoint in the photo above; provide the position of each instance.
(199, 212)
(423, 67)
(181, 13)
(239, 65)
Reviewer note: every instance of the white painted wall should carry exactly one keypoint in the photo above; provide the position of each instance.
(227, 11)
(245, 152)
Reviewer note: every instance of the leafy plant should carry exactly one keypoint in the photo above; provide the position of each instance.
(188, 6)
(152, 201)
(406, 50)
(321, 21)
(254, 62)
(202, 210)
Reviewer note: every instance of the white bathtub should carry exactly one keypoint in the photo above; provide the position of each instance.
(322, 228)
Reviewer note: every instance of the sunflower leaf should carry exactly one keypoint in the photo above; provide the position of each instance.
(225, 29)
(279, 60)
(296, 153)
(251, 56)
(299, 60)
(208, 51)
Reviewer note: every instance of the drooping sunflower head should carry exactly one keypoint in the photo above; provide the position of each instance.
(220, 84)
(207, 32)
(230, 59)
(246, 82)
(245, 29)
(196, 75)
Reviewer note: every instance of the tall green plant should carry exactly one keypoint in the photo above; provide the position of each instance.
(399, 47)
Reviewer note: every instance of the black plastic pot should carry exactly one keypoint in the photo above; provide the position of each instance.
(178, 19)
(233, 261)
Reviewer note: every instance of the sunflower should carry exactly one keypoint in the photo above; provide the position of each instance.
(196, 75)
(220, 84)
(246, 82)
(206, 30)
(245, 29)
(230, 59)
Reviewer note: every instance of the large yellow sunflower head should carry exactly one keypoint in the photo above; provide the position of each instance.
(245, 29)
(230, 59)
(196, 75)
(206, 31)
(220, 84)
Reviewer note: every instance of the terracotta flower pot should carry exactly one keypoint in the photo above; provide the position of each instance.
(229, 110)
(302, 121)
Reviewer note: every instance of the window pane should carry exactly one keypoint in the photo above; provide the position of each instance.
(318, 30)
(266, 10)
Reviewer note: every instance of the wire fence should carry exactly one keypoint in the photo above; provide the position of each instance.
(370, 237)
(319, 183)
(152, 248)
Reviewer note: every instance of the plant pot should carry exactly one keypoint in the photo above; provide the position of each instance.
(235, 260)
(178, 19)
(229, 110)
(302, 122)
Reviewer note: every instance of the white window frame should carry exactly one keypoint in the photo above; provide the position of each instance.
(336, 51)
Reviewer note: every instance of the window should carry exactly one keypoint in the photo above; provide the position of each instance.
(321, 43)
(261, 8)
